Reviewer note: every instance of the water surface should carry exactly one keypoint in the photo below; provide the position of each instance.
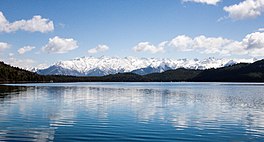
(132, 112)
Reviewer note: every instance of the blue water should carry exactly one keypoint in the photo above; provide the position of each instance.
(132, 112)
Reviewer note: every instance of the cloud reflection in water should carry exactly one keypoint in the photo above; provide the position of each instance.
(46, 112)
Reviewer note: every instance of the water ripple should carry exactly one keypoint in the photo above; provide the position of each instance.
(132, 112)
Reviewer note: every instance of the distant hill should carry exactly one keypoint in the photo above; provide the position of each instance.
(242, 72)
(11, 74)
(238, 73)
(173, 75)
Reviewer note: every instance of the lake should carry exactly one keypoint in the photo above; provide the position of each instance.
(132, 112)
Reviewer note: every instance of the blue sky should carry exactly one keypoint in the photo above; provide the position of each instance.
(143, 28)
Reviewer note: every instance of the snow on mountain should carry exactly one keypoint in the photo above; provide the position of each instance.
(92, 66)
(38, 67)
(230, 63)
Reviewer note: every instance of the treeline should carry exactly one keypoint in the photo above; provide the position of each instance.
(13, 74)
(237, 73)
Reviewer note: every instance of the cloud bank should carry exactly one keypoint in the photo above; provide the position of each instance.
(36, 24)
(252, 44)
(207, 45)
(99, 48)
(60, 45)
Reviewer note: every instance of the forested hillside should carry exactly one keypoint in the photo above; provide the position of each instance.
(11, 74)
(236, 73)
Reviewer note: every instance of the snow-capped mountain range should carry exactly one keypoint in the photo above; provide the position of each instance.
(92, 66)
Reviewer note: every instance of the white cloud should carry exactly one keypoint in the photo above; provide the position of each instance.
(99, 48)
(11, 54)
(252, 44)
(246, 9)
(60, 45)
(261, 29)
(208, 45)
(209, 2)
(182, 42)
(148, 47)
(36, 24)
(254, 40)
(22, 63)
(4, 45)
(25, 49)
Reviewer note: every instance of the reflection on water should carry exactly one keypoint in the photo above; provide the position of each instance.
(132, 111)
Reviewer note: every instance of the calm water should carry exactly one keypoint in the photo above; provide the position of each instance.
(132, 112)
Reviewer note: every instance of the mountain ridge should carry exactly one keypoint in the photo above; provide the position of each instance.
(92, 66)
(241, 72)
